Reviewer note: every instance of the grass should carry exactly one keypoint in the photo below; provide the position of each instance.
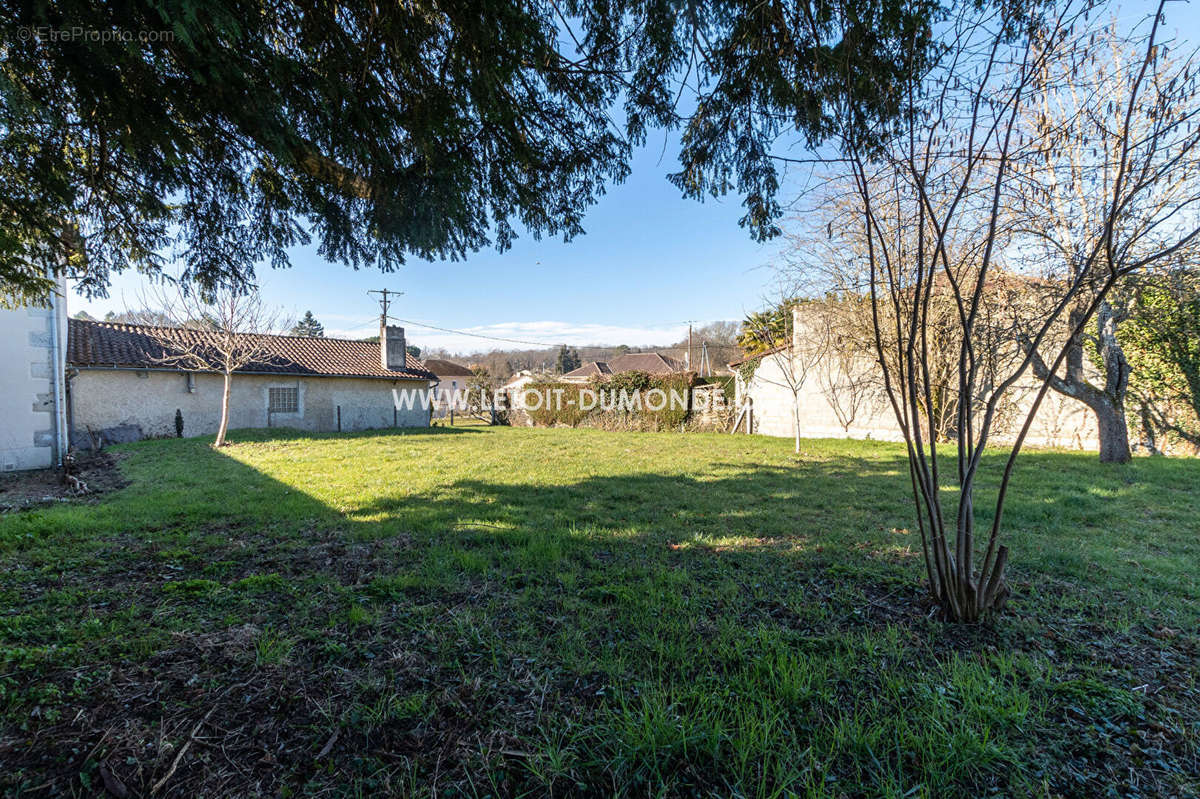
(499, 612)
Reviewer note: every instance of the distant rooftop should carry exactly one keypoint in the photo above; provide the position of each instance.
(590, 369)
(443, 368)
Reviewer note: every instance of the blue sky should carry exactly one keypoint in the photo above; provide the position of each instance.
(650, 261)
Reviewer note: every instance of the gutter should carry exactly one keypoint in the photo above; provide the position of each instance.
(57, 378)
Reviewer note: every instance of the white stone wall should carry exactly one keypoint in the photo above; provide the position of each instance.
(771, 391)
(1060, 422)
(122, 401)
(26, 387)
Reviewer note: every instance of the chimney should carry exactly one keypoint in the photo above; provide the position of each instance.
(391, 347)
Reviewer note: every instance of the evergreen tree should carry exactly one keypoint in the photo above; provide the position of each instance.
(566, 361)
(413, 350)
(234, 132)
(309, 327)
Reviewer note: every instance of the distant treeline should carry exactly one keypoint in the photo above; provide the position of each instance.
(720, 336)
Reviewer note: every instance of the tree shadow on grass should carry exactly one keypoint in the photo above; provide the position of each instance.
(426, 631)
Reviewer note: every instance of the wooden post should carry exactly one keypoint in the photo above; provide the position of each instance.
(339, 414)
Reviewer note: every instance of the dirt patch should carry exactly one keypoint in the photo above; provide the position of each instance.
(94, 474)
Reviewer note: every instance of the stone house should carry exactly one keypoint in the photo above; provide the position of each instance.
(452, 378)
(121, 388)
(592, 370)
(828, 408)
(654, 363)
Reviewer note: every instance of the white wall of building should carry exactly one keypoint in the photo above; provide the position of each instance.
(1060, 421)
(27, 386)
(128, 404)
(449, 389)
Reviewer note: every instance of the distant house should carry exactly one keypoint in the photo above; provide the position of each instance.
(120, 387)
(654, 363)
(588, 372)
(650, 362)
(452, 378)
(513, 391)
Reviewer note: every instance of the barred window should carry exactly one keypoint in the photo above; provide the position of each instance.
(283, 400)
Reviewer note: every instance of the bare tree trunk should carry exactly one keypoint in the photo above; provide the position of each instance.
(1114, 432)
(220, 442)
(796, 420)
(1114, 429)
(1108, 402)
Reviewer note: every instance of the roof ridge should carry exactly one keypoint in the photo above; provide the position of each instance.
(95, 342)
(108, 323)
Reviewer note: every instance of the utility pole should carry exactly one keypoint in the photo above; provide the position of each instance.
(687, 362)
(384, 303)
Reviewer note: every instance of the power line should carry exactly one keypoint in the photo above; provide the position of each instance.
(477, 335)
(528, 342)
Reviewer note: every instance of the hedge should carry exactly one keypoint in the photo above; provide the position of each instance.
(620, 400)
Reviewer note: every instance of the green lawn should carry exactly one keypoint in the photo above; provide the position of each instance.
(499, 612)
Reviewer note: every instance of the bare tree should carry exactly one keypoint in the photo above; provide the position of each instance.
(943, 184)
(820, 263)
(791, 362)
(222, 331)
(1062, 212)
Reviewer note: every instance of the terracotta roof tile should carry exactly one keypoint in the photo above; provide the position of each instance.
(111, 344)
(651, 362)
(443, 368)
(590, 369)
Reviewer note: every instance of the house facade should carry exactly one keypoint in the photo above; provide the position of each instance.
(452, 378)
(33, 426)
(827, 406)
(123, 388)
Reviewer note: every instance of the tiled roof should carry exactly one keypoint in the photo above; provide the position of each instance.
(651, 362)
(447, 368)
(100, 344)
(590, 369)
